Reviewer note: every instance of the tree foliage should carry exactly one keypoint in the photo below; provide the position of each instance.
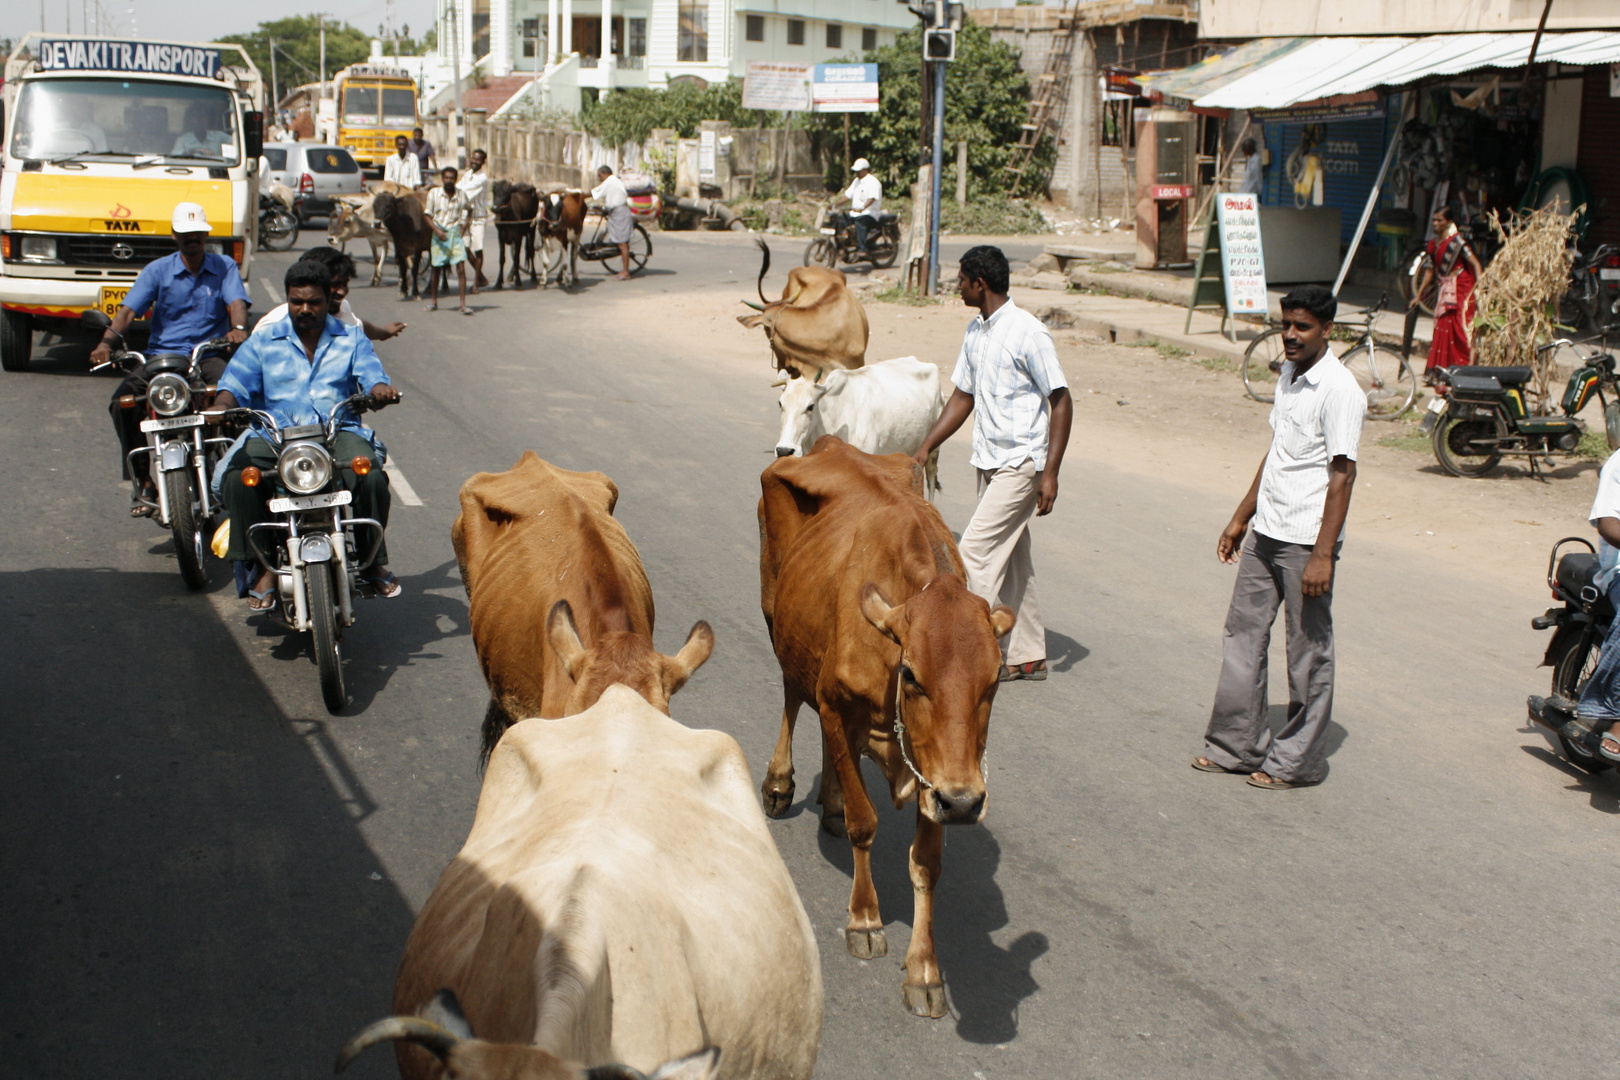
(986, 104)
(631, 114)
(298, 48)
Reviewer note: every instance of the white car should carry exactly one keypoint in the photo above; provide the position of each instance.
(317, 172)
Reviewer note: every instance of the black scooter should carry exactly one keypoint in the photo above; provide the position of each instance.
(1580, 627)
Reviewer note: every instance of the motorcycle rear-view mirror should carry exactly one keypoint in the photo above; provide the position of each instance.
(94, 320)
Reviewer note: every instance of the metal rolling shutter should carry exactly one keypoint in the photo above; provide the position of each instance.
(1598, 155)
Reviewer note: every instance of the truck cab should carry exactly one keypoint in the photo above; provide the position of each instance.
(102, 139)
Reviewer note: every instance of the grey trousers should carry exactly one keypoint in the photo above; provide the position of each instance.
(1239, 737)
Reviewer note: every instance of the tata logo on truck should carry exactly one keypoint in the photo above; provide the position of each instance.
(126, 225)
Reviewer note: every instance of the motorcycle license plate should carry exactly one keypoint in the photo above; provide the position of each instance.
(171, 423)
(1437, 405)
(829, 232)
(111, 297)
(1609, 273)
(311, 502)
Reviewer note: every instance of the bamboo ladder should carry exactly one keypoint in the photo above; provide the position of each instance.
(1049, 98)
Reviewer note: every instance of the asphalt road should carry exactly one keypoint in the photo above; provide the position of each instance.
(206, 875)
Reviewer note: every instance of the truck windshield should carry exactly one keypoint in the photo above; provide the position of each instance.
(399, 105)
(125, 118)
(360, 105)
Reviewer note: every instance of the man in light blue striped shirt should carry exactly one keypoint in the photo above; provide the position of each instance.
(1007, 377)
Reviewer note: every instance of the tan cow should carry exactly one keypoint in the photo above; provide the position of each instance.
(354, 218)
(862, 590)
(817, 324)
(619, 899)
(538, 544)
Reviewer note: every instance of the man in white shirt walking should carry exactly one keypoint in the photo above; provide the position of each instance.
(476, 185)
(1297, 506)
(1007, 377)
(402, 168)
(865, 197)
(621, 222)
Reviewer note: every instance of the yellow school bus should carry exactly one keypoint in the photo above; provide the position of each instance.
(103, 137)
(371, 105)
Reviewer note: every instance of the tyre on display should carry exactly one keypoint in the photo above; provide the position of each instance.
(1409, 278)
(16, 340)
(1452, 451)
(1570, 672)
(323, 631)
(1384, 379)
(1262, 360)
(187, 526)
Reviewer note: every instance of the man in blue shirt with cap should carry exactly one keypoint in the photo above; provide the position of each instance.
(299, 371)
(195, 296)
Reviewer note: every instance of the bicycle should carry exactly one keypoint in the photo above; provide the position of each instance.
(1383, 374)
(597, 248)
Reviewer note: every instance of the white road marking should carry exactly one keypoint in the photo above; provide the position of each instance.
(268, 286)
(400, 485)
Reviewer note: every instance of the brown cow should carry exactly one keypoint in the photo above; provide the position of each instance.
(562, 222)
(405, 218)
(817, 324)
(862, 589)
(559, 603)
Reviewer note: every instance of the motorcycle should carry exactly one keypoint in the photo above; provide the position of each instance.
(318, 566)
(1579, 629)
(836, 242)
(1593, 299)
(181, 456)
(1479, 414)
(278, 224)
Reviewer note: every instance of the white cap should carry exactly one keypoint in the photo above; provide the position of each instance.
(189, 217)
(860, 163)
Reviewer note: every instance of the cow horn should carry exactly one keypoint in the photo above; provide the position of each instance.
(756, 307)
(410, 1028)
(781, 380)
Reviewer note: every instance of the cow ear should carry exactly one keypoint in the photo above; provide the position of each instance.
(889, 620)
(445, 1011)
(698, 1066)
(564, 637)
(1002, 619)
(698, 648)
(751, 321)
(833, 382)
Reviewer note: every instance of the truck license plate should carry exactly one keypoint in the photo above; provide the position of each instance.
(1437, 405)
(1609, 273)
(171, 423)
(311, 502)
(111, 297)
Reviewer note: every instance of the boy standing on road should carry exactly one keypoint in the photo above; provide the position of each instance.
(1007, 376)
(1297, 504)
(448, 213)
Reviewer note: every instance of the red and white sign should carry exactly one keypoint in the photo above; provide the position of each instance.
(1243, 264)
(1172, 191)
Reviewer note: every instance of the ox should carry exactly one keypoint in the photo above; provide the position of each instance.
(405, 218)
(537, 546)
(517, 206)
(619, 899)
(885, 408)
(562, 222)
(354, 218)
(817, 324)
(862, 590)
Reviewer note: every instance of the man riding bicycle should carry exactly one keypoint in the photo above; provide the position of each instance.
(195, 296)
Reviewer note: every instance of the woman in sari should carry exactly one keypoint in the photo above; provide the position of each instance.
(1456, 266)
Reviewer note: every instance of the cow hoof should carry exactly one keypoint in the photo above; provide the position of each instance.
(866, 944)
(834, 825)
(777, 802)
(926, 1001)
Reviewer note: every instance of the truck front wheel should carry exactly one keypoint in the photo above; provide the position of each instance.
(16, 340)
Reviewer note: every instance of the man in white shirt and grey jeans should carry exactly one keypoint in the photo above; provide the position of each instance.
(1007, 377)
(1297, 506)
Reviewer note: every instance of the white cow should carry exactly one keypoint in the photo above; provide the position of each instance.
(619, 899)
(884, 408)
(353, 219)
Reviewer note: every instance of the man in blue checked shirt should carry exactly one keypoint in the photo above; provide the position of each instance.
(298, 371)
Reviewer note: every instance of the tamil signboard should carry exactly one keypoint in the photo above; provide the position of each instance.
(154, 57)
(778, 85)
(844, 88)
(1243, 266)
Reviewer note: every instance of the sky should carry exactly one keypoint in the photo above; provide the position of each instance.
(196, 20)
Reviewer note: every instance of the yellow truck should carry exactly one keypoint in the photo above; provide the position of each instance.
(103, 138)
(370, 105)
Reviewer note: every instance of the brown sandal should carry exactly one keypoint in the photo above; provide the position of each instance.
(1033, 671)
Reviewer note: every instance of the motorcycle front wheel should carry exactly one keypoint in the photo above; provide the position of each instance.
(278, 229)
(185, 523)
(1570, 672)
(1454, 451)
(323, 629)
(821, 252)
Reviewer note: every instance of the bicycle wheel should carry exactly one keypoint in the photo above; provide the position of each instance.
(1384, 377)
(1411, 270)
(640, 249)
(1262, 362)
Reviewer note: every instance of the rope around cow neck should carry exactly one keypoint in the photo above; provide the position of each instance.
(900, 734)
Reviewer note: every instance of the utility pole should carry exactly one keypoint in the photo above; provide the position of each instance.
(939, 20)
(321, 21)
(455, 80)
(275, 97)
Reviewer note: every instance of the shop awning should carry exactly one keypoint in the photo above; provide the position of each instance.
(1311, 69)
(1218, 70)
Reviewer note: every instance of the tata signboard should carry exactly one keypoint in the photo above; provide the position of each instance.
(845, 88)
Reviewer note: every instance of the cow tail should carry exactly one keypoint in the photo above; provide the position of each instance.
(496, 721)
(764, 267)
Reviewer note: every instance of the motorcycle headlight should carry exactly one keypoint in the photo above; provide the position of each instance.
(168, 394)
(305, 468)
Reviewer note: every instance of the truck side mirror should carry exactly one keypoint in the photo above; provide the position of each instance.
(253, 133)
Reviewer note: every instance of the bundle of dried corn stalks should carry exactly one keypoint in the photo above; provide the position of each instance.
(1518, 294)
